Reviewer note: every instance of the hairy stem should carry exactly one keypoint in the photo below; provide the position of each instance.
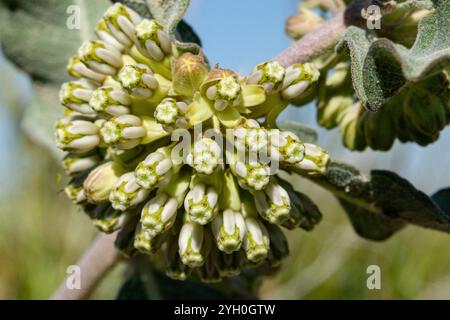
(95, 263)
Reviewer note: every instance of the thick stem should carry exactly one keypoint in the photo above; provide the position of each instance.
(97, 260)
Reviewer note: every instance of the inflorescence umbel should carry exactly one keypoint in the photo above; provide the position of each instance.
(177, 155)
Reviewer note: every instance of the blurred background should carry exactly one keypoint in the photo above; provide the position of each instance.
(41, 232)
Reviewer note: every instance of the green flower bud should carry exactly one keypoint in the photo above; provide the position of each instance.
(223, 88)
(75, 192)
(201, 203)
(273, 203)
(205, 156)
(100, 57)
(229, 230)
(268, 74)
(170, 114)
(253, 175)
(138, 80)
(76, 135)
(153, 170)
(252, 136)
(298, 79)
(75, 163)
(110, 100)
(107, 219)
(189, 72)
(159, 214)
(121, 22)
(75, 95)
(126, 192)
(151, 40)
(190, 243)
(288, 145)
(100, 181)
(351, 127)
(123, 132)
(303, 22)
(315, 160)
(256, 241)
(145, 242)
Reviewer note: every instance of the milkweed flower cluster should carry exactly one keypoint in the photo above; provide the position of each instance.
(210, 203)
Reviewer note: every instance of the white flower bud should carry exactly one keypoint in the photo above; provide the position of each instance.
(252, 136)
(75, 135)
(170, 113)
(297, 79)
(107, 219)
(226, 92)
(78, 69)
(229, 230)
(154, 169)
(75, 193)
(288, 145)
(152, 40)
(75, 95)
(201, 203)
(122, 22)
(253, 175)
(273, 203)
(102, 31)
(190, 243)
(269, 75)
(315, 160)
(123, 132)
(205, 156)
(74, 163)
(110, 100)
(138, 80)
(145, 242)
(159, 214)
(256, 242)
(126, 192)
(100, 56)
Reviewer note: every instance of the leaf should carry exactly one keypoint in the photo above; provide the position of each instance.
(169, 13)
(305, 133)
(36, 38)
(442, 199)
(382, 193)
(380, 68)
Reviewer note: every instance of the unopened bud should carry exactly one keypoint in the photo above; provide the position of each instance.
(229, 230)
(152, 40)
(123, 132)
(126, 192)
(201, 203)
(138, 80)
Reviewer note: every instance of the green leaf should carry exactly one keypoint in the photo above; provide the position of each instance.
(380, 68)
(382, 193)
(36, 38)
(305, 133)
(169, 13)
(442, 199)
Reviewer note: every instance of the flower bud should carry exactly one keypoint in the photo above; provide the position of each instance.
(252, 136)
(205, 156)
(100, 56)
(154, 169)
(123, 132)
(126, 192)
(315, 160)
(253, 175)
(298, 79)
(75, 192)
(75, 163)
(278, 245)
(110, 100)
(229, 230)
(190, 243)
(303, 22)
(75, 135)
(256, 241)
(201, 203)
(121, 22)
(102, 31)
(100, 181)
(78, 69)
(107, 219)
(288, 145)
(138, 80)
(145, 242)
(75, 95)
(170, 114)
(209, 272)
(175, 269)
(189, 72)
(151, 40)
(230, 264)
(268, 74)
(159, 214)
(273, 203)
(223, 88)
